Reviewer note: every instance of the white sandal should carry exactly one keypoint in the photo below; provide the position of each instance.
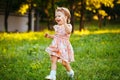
(49, 77)
(52, 75)
(71, 74)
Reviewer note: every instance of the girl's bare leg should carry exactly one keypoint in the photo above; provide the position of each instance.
(53, 62)
(52, 75)
(66, 65)
(70, 72)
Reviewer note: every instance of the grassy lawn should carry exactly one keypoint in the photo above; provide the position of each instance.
(97, 55)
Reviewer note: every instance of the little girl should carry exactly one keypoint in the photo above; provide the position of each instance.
(60, 49)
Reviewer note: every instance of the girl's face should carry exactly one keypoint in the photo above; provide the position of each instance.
(60, 18)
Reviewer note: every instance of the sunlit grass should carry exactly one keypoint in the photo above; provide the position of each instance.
(87, 32)
(33, 35)
(23, 56)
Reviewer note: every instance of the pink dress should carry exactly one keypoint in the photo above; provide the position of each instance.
(61, 46)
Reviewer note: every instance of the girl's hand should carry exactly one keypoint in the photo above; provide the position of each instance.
(49, 36)
(46, 35)
(64, 20)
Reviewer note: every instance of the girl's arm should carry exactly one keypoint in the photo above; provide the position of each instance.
(49, 36)
(68, 28)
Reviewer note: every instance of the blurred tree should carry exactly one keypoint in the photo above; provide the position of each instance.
(72, 10)
(50, 11)
(41, 11)
(114, 13)
(96, 7)
(30, 4)
(80, 8)
(9, 6)
(39, 7)
(80, 11)
(116, 9)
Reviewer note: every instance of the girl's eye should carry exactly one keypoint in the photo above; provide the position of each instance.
(59, 16)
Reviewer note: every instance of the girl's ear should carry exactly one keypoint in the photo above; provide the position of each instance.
(66, 18)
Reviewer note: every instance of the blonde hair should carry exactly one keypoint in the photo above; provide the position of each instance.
(66, 12)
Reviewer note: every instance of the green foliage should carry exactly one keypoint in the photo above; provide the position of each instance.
(23, 57)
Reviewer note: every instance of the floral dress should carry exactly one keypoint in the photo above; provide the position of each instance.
(61, 46)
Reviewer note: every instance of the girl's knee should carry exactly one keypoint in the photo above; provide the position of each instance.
(53, 59)
(64, 63)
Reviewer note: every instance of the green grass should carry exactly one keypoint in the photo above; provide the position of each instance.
(23, 56)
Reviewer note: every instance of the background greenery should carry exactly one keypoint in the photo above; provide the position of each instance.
(97, 55)
(42, 10)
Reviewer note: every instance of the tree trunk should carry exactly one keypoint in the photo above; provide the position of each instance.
(100, 20)
(6, 21)
(82, 15)
(81, 22)
(53, 8)
(30, 16)
(7, 11)
(29, 20)
(53, 16)
(37, 16)
(48, 23)
(72, 13)
(72, 20)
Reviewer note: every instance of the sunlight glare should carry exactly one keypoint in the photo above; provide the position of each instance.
(87, 32)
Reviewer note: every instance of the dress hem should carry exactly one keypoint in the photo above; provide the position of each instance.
(60, 58)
